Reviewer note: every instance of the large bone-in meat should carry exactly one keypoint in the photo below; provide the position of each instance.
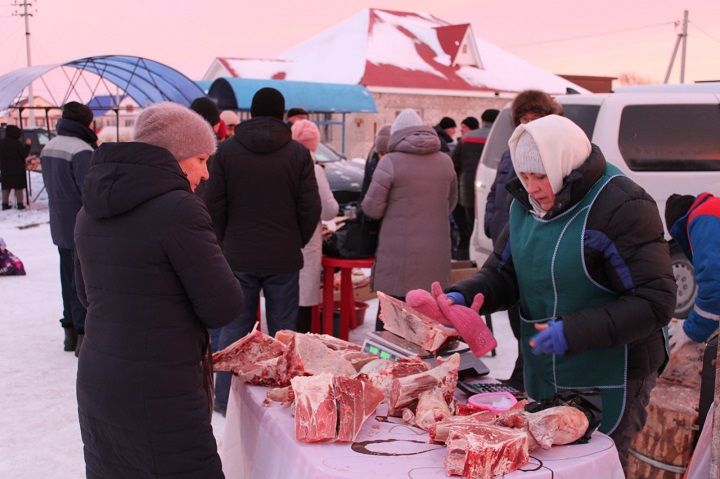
(252, 348)
(331, 408)
(307, 356)
(356, 400)
(406, 390)
(557, 425)
(485, 451)
(315, 410)
(431, 409)
(408, 323)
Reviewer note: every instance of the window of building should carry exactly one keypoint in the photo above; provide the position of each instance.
(670, 137)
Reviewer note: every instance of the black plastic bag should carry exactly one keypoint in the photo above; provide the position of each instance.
(587, 400)
(356, 238)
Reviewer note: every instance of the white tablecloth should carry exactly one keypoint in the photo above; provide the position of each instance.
(260, 443)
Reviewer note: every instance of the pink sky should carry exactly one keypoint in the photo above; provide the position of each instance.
(187, 35)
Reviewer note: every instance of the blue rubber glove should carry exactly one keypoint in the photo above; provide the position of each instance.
(457, 298)
(550, 341)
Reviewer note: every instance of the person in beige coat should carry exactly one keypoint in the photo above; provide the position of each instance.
(413, 190)
(307, 133)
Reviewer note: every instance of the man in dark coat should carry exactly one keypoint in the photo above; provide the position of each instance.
(265, 206)
(466, 157)
(65, 161)
(12, 166)
(154, 279)
(445, 130)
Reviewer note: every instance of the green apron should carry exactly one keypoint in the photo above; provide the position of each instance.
(553, 281)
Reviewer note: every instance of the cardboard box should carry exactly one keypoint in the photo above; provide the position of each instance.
(462, 270)
(361, 294)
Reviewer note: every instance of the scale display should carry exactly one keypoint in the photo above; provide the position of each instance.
(392, 347)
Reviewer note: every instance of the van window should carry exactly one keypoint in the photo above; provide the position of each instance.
(670, 137)
(584, 116)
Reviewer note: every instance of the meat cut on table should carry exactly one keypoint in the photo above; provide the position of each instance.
(408, 323)
(331, 408)
(485, 451)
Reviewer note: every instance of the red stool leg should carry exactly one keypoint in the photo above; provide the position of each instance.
(347, 302)
(328, 306)
(315, 319)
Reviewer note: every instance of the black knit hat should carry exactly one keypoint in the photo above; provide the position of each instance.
(207, 109)
(296, 111)
(489, 115)
(471, 122)
(447, 122)
(12, 131)
(676, 207)
(268, 102)
(78, 112)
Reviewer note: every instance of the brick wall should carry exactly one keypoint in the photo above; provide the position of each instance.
(360, 128)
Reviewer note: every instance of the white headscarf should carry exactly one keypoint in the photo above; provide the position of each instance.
(563, 146)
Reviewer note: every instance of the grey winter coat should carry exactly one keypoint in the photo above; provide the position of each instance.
(413, 190)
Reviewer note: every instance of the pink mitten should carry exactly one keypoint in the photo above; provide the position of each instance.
(469, 324)
(425, 303)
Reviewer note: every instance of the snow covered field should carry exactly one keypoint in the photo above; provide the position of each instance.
(39, 432)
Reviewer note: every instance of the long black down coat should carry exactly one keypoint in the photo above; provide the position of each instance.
(153, 279)
(625, 251)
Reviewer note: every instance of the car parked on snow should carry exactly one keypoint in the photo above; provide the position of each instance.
(665, 138)
(344, 176)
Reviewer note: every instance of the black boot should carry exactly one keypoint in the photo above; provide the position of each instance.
(70, 339)
(5, 206)
(78, 347)
(20, 206)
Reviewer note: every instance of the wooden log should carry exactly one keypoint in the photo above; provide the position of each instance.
(662, 450)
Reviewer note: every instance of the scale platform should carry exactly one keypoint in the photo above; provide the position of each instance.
(390, 346)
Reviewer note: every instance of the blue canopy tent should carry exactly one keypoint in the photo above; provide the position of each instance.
(237, 93)
(101, 82)
(145, 81)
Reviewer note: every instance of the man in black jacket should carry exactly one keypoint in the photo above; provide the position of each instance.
(265, 206)
(65, 161)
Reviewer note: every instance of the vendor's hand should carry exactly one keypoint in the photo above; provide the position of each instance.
(550, 340)
(678, 338)
(325, 232)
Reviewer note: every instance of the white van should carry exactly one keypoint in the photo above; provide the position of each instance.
(666, 138)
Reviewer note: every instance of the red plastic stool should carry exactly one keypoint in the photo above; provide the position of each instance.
(347, 298)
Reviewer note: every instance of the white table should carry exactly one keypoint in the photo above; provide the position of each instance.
(260, 442)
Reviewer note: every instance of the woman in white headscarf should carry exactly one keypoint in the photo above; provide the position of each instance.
(585, 256)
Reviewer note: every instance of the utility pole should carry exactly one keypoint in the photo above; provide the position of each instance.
(682, 37)
(26, 5)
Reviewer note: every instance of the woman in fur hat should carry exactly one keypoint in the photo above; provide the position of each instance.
(585, 257)
(153, 279)
(307, 133)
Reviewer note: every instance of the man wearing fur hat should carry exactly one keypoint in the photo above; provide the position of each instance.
(585, 257)
(265, 206)
(65, 161)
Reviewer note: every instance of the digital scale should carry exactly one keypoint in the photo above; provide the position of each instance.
(390, 346)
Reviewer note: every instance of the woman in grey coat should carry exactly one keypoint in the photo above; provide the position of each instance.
(413, 190)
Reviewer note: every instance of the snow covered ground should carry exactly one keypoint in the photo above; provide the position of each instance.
(39, 432)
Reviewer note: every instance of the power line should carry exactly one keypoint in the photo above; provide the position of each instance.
(703, 31)
(580, 37)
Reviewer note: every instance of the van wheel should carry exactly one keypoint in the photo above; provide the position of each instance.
(685, 279)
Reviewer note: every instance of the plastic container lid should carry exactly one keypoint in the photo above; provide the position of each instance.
(495, 402)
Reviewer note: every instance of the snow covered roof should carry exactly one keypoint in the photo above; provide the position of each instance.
(392, 49)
